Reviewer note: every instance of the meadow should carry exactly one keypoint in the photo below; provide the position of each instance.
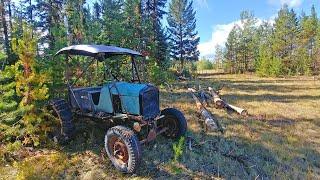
(279, 140)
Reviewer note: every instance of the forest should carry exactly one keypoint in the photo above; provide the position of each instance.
(165, 32)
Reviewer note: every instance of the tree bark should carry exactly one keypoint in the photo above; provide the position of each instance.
(239, 110)
(5, 29)
(210, 122)
(218, 102)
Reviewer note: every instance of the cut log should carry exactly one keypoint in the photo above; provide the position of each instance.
(210, 122)
(219, 103)
(239, 110)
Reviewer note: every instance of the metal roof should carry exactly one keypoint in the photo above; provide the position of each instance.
(93, 50)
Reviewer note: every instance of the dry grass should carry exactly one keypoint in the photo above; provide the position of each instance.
(281, 140)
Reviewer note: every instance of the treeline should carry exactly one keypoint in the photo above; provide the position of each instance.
(288, 46)
(32, 31)
(135, 24)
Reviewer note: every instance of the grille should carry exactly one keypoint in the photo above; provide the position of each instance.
(149, 102)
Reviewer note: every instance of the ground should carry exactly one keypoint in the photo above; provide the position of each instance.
(279, 140)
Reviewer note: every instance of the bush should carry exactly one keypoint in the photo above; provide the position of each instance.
(159, 76)
(204, 65)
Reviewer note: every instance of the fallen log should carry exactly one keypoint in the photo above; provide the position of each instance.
(239, 110)
(210, 122)
(218, 102)
(222, 104)
(204, 98)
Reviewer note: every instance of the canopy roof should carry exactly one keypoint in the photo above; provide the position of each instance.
(94, 50)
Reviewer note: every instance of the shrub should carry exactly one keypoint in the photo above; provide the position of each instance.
(178, 149)
(204, 65)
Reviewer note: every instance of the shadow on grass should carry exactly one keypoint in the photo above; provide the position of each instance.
(211, 155)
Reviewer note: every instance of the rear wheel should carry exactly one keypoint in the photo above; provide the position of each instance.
(175, 121)
(63, 112)
(123, 149)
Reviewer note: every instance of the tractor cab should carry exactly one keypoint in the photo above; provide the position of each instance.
(116, 97)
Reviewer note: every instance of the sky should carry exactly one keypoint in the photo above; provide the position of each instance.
(215, 18)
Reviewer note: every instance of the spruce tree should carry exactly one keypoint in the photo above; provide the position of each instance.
(182, 29)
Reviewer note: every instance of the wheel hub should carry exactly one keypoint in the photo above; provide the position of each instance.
(120, 152)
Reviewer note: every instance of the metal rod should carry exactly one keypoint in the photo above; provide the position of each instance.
(135, 67)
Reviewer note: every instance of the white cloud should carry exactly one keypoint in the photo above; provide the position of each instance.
(220, 34)
(203, 3)
(219, 37)
(290, 3)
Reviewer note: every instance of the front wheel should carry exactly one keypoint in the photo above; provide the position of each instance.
(174, 121)
(123, 148)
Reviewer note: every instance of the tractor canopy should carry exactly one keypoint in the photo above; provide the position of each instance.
(95, 50)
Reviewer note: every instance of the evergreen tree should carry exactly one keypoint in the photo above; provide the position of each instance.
(219, 56)
(133, 24)
(285, 38)
(247, 43)
(153, 12)
(112, 30)
(232, 49)
(76, 21)
(22, 91)
(182, 30)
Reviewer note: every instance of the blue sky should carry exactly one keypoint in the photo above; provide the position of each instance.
(215, 18)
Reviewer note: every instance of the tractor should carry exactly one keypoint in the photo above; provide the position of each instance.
(130, 108)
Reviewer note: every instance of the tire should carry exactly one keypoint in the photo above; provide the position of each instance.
(175, 121)
(123, 149)
(64, 113)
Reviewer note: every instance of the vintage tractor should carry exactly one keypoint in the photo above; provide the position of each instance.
(130, 109)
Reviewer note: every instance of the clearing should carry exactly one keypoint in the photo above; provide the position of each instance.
(281, 139)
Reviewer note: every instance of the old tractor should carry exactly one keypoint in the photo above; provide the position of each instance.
(131, 109)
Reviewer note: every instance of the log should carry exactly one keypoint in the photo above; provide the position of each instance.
(204, 98)
(219, 103)
(239, 110)
(210, 122)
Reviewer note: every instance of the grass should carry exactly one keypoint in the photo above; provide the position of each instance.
(280, 140)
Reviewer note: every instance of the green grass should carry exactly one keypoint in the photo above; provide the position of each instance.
(281, 139)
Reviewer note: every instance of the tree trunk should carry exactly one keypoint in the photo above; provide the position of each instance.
(218, 102)
(239, 110)
(210, 122)
(5, 29)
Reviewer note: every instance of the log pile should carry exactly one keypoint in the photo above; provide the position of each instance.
(204, 99)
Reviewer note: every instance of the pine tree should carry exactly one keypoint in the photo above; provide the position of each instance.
(76, 21)
(247, 42)
(182, 29)
(153, 12)
(265, 55)
(232, 49)
(30, 86)
(9, 115)
(219, 56)
(51, 20)
(112, 22)
(133, 24)
(285, 38)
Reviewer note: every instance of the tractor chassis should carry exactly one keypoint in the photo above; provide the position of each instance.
(113, 120)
